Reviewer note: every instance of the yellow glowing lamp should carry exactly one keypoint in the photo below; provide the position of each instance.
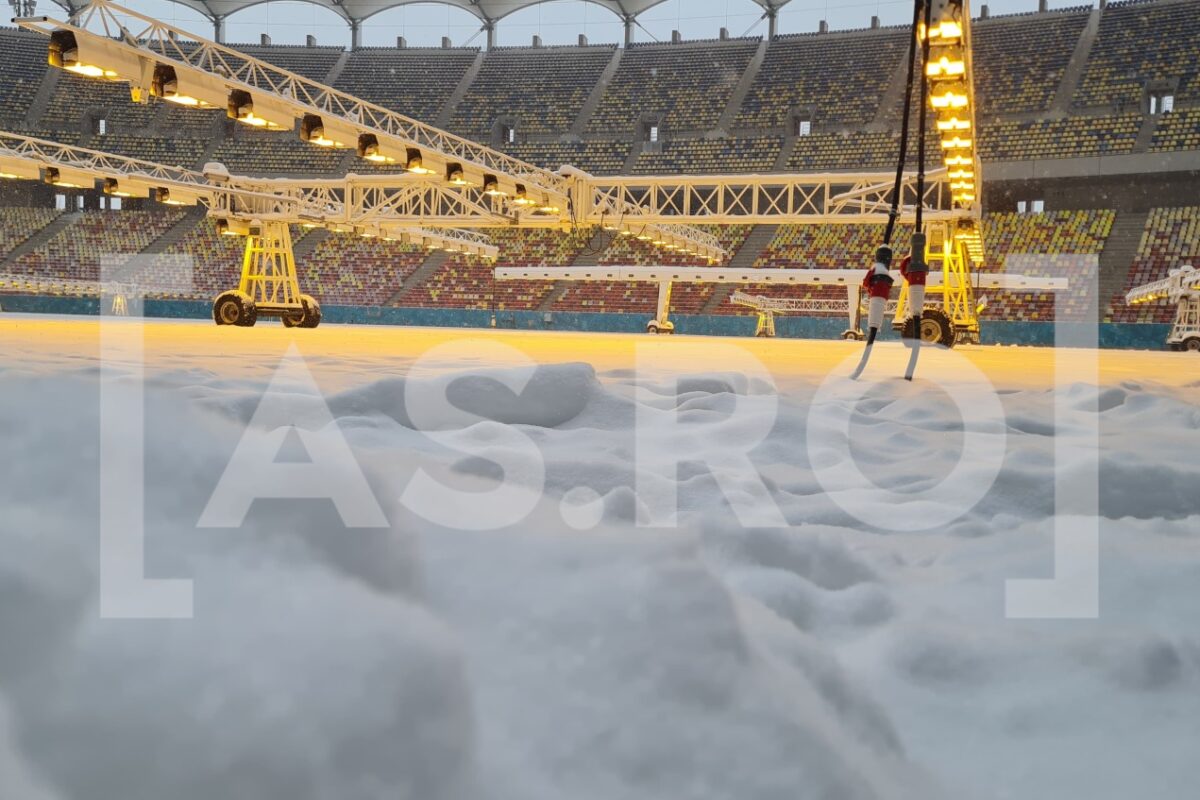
(964, 197)
(369, 150)
(953, 96)
(956, 143)
(947, 30)
(959, 161)
(165, 85)
(415, 163)
(962, 174)
(314, 130)
(243, 108)
(68, 178)
(491, 187)
(642, 237)
(521, 196)
(953, 123)
(455, 176)
(947, 66)
(966, 186)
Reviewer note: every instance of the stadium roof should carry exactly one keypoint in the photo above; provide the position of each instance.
(488, 11)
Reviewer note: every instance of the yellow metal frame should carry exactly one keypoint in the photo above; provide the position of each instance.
(269, 268)
(949, 250)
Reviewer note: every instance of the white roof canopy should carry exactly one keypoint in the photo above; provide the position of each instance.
(488, 11)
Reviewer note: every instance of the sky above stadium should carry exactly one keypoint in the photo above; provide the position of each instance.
(557, 22)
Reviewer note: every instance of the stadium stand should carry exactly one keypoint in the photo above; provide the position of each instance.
(314, 63)
(76, 252)
(271, 153)
(1055, 239)
(1071, 137)
(24, 67)
(541, 89)
(687, 84)
(1045, 44)
(1170, 240)
(17, 224)
(172, 151)
(598, 158)
(1179, 130)
(467, 282)
(1141, 43)
(832, 78)
(414, 82)
(642, 298)
(345, 269)
(711, 156)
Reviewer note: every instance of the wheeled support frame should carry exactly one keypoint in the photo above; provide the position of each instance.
(268, 286)
(662, 320)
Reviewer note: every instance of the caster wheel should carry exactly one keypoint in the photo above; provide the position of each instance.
(235, 308)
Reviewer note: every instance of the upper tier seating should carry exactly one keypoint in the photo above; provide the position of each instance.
(412, 82)
(541, 89)
(77, 250)
(598, 158)
(171, 151)
(831, 78)
(1179, 130)
(271, 153)
(1042, 43)
(216, 260)
(464, 282)
(687, 84)
(17, 224)
(708, 156)
(23, 68)
(75, 96)
(314, 63)
(1170, 240)
(1140, 43)
(1065, 138)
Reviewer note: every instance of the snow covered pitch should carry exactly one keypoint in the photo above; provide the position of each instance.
(589, 567)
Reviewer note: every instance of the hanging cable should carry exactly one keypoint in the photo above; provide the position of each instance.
(915, 268)
(878, 282)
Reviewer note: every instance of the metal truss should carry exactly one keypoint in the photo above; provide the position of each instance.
(769, 199)
(401, 212)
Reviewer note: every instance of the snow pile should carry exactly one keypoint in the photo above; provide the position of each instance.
(572, 653)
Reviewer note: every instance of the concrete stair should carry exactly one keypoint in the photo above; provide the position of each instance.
(335, 71)
(1146, 133)
(172, 235)
(744, 258)
(1073, 74)
(730, 114)
(37, 239)
(37, 108)
(597, 94)
(432, 264)
(460, 91)
(304, 247)
(1117, 256)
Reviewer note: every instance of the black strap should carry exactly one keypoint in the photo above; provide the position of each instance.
(918, 7)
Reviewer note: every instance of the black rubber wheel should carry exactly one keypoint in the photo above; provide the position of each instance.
(234, 308)
(1192, 345)
(292, 320)
(652, 329)
(312, 312)
(853, 336)
(936, 328)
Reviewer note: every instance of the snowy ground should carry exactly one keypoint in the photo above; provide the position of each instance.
(768, 644)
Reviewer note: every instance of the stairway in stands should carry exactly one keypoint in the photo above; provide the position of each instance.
(1117, 256)
(173, 234)
(423, 273)
(37, 239)
(589, 256)
(744, 258)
